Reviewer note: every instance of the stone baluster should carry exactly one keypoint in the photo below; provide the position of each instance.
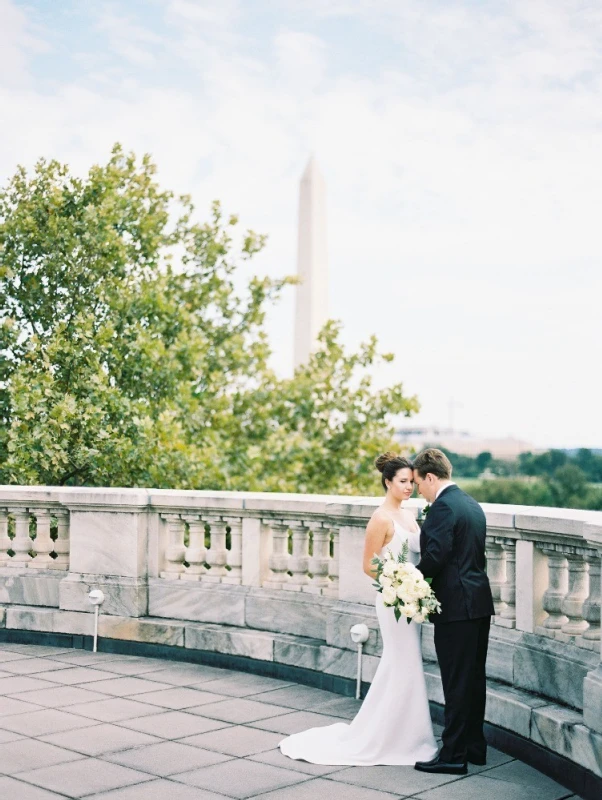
(196, 551)
(279, 558)
(507, 617)
(319, 563)
(556, 591)
(531, 583)
(592, 684)
(43, 544)
(591, 605)
(299, 563)
(21, 544)
(578, 586)
(333, 589)
(496, 572)
(5, 540)
(217, 554)
(234, 575)
(62, 542)
(175, 552)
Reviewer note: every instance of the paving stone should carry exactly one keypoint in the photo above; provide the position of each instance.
(46, 721)
(236, 740)
(167, 758)
(240, 710)
(59, 696)
(34, 650)
(8, 655)
(495, 758)
(157, 790)
(482, 787)
(9, 736)
(190, 674)
(138, 762)
(83, 777)
(17, 790)
(76, 675)
(294, 722)
(240, 685)
(240, 778)
(178, 697)
(319, 788)
(299, 697)
(99, 739)
(173, 724)
(402, 781)
(22, 684)
(133, 666)
(113, 709)
(31, 666)
(121, 687)
(30, 754)
(85, 658)
(276, 759)
(14, 705)
(522, 775)
(345, 707)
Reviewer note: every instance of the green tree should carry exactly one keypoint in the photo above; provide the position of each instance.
(483, 460)
(133, 349)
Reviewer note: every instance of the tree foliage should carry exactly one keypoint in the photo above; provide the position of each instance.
(133, 349)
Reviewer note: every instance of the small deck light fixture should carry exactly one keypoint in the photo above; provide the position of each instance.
(96, 598)
(360, 633)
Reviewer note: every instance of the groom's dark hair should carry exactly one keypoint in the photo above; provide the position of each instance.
(433, 461)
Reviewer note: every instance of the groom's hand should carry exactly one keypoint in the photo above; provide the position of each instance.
(437, 535)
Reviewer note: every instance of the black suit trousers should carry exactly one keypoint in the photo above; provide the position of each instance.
(462, 651)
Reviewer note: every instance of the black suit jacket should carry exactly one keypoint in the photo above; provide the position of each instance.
(452, 548)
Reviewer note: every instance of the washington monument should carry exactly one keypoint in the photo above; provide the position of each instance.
(311, 310)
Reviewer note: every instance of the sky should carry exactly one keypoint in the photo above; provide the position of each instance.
(461, 144)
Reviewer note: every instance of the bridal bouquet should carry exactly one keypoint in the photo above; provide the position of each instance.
(404, 588)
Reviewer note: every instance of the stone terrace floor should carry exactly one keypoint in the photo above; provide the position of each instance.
(78, 724)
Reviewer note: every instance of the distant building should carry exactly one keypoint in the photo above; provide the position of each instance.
(462, 442)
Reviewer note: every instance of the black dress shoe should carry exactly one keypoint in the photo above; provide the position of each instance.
(438, 766)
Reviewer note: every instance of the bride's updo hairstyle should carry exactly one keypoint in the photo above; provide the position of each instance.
(389, 465)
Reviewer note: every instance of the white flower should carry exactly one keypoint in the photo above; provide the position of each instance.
(384, 580)
(389, 569)
(408, 591)
(389, 596)
(419, 618)
(409, 610)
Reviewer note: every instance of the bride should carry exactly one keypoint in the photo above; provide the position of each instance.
(393, 725)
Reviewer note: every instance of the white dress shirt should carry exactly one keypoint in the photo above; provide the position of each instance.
(443, 488)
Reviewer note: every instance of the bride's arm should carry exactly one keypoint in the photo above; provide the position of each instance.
(376, 533)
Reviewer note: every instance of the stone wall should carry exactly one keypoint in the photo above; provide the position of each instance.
(277, 578)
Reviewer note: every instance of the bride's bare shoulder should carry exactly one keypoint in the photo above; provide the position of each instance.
(380, 515)
(379, 521)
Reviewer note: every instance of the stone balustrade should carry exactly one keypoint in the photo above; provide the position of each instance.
(34, 535)
(278, 578)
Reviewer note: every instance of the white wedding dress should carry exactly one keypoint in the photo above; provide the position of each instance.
(393, 725)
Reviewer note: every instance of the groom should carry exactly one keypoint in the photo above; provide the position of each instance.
(452, 545)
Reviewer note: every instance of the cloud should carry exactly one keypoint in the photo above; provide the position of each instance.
(460, 144)
(134, 42)
(18, 41)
